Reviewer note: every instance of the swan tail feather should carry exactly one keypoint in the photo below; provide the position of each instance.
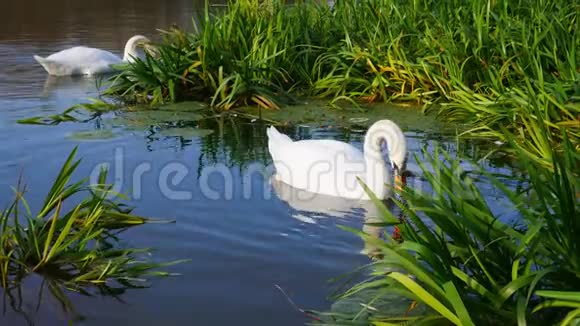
(275, 136)
(53, 68)
(42, 61)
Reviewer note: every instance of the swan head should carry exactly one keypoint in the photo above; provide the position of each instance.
(132, 44)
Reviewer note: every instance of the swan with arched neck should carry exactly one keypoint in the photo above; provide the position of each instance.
(82, 60)
(333, 167)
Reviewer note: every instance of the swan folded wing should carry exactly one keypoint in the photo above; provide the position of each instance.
(320, 166)
(83, 55)
(79, 60)
(334, 148)
(277, 141)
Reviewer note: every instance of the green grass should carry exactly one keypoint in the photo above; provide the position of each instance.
(506, 70)
(75, 247)
(486, 64)
(465, 264)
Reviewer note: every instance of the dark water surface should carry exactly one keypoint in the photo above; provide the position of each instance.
(241, 246)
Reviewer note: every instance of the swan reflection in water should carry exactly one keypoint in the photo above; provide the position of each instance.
(308, 206)
(76, 87)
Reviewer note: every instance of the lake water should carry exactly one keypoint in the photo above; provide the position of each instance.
(243, 240)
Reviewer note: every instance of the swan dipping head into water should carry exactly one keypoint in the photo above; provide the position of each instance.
(82, 60)
(333, 167)
(133, 44)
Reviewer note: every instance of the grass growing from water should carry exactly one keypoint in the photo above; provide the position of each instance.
(73, 247)
(466, 263)
(506, 69)
(491, 64)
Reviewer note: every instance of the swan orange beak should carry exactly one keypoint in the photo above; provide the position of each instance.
(400, 180)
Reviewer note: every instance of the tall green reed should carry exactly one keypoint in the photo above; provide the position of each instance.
(250, 55)
(489, 64)
(466, 263)
(75, 247)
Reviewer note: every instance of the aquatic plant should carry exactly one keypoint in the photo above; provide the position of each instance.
(81, 112)
(254, 53)
(73, 246)
(235, 59)
(466, 263)
(488, 64)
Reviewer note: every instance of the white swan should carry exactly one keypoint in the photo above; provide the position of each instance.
(331, 167)
(82, 60)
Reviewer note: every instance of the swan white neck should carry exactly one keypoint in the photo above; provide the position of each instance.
(376, 170)
(131, 47)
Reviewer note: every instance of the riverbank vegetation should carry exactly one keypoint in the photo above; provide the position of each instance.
(488, 64)
(73, 247)
(505, 70)
(465, 261)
